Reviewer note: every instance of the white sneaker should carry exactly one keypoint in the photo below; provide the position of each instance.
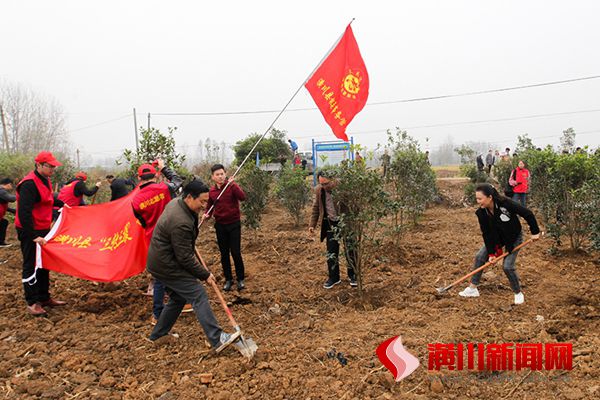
(469, 292)
(519, 298)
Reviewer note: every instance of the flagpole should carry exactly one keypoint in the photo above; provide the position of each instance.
(275, 120)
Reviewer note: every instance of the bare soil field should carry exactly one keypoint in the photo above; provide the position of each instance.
(96, 347)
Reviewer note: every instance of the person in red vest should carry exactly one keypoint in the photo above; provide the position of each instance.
(148, 204)
(33, 219)
(6, 186)
(72, 193)
(519, 180)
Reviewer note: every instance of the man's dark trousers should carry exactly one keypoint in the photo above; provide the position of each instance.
(184, 291)
(229, 237)
(3, 227)
(333, 254)
(37, 289)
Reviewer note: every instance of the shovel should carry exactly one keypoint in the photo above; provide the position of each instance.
(246, 346)
(494, 261)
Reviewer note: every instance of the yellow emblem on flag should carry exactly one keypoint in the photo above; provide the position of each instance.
(351, 84)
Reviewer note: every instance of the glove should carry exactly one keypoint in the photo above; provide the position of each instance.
(498, 251)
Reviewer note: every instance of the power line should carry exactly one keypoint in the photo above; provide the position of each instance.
(100, 123)
(523, 117)
(464, 122)
(489, 91)
(416, 99)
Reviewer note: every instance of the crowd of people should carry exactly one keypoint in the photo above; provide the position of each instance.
(171, 214)
(171, 226)
(517, 185)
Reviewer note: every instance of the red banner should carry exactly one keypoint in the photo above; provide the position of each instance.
(102, 242)
(340, 86)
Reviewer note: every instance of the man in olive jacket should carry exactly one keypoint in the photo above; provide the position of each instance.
(172, 260)
(326, 209)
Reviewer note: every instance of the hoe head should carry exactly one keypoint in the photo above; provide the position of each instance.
(443, 290)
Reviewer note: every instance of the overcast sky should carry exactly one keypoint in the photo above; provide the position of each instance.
(101, 59)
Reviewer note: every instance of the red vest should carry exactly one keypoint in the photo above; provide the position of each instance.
(42, 210)
(149, 202)
(3, 208)
(522, 178)
(67, 194)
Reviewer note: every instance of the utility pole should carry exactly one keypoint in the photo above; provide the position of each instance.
(4, 131)
(78, 167)
(148, 121)
(137, 144)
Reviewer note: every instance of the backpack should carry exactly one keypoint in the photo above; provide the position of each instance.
(508, 188)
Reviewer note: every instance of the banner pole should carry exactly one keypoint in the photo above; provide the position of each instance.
(275, 120)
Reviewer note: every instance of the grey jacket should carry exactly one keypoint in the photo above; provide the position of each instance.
(172, 248)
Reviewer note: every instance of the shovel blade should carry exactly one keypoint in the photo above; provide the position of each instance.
(246, 346)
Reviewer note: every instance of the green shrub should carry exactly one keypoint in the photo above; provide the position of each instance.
(411, 179)
(564, 188)
(363, 204)
(293, 191)
(255, 184)
(153, 145)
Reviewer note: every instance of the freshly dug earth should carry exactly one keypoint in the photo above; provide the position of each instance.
(96, 347)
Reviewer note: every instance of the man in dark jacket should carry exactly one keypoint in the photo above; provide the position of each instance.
(172, 260)
(5, 198)
(227, 224)
(119, 187)
(480, 165)
(72, 193)
(326, 210)
(33, 220)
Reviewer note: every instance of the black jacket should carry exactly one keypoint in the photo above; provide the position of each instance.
(503, 228)
(118, 188)
(81, 189)
(172, 248)
(6, 197)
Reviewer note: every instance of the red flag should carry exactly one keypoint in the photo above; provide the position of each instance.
(340, 86)
(102, 242)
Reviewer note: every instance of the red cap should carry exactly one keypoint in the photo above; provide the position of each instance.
(81, 175)
(48, 158)
(146, 169)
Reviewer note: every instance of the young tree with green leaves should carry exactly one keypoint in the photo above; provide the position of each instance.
(363, 203)
(256, 185)
(154, 145)
(411, 179)
(272, 148)
(293, 191)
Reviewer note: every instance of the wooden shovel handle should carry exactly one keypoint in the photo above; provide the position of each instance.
(218, 292)
(487, 264)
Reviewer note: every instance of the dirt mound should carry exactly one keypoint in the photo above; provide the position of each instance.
(313, 343)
